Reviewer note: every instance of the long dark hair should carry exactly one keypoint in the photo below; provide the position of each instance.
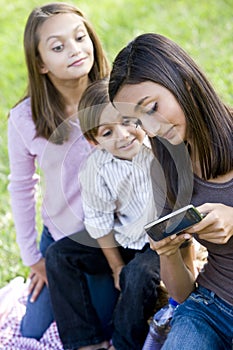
(153, 57)
(48, 107)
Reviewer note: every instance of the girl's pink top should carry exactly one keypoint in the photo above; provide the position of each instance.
(42, 170)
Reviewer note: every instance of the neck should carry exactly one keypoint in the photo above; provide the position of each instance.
(72, 91)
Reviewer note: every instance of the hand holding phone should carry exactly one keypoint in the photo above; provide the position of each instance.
(173, 223)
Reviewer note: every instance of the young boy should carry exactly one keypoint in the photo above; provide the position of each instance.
(118, 201)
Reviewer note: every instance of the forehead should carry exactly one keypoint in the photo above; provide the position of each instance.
(109, 115)
(61, 23)
(130, 96)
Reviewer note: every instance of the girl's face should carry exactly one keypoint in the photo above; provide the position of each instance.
(156, 108)
(121, 138)
(65, 48)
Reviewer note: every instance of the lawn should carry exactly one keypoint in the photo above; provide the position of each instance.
(204, 28)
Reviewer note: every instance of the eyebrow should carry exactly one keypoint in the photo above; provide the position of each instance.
(60, 35)
(140, 102)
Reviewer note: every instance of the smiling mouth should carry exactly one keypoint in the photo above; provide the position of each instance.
(77, 62)
(128, 144)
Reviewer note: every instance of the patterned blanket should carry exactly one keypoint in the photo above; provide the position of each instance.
(12, 308)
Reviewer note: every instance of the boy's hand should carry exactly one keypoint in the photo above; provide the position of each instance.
(116, 276)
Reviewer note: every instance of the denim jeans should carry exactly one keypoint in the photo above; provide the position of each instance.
(67, 262)
(39, 314)
(202, 322)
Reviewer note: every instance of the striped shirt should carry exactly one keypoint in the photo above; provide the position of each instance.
(117, 195)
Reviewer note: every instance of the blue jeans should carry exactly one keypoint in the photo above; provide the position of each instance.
(202, 322)
(39, 314)
(67, 262)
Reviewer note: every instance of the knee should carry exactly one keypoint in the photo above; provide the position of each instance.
(38, 316)
(29, 331)
(139, 275)
(51, 253)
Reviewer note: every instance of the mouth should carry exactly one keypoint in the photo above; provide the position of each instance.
(128, 144)
(78, 62)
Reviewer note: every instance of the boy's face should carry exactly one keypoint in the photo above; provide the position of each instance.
(121, 138)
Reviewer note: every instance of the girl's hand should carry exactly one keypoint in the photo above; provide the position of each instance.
(217, 226)
(169, 245)
(38, 279)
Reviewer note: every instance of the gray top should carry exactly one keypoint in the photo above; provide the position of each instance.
(217, 274)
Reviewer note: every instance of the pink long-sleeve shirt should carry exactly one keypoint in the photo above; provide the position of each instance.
(41, 168)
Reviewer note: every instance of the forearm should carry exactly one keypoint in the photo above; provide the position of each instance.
(179, 280)
(111, 251)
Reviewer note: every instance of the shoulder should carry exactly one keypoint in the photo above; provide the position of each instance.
(21, 113)
(20, 121)
(96, 160)
(144, 157)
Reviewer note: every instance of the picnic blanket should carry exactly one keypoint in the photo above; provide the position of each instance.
(13, 299)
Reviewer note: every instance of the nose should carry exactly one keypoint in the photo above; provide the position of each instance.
(74, 48)
(121, 132)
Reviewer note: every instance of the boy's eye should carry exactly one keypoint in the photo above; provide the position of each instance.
(126, 122)
(107, 133)
(58, 48)
(131, 122)
(153, 109)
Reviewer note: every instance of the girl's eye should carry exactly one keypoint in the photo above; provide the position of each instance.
(80, 37)
(58, 48)
(153, 109)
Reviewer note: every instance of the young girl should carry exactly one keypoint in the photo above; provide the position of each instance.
(191, 131)
(118, 201)
(63, 55)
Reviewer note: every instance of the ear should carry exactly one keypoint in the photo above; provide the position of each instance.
(42, 67)
(43, 70)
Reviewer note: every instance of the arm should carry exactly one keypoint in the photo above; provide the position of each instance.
(177, 270)
(113, 256)
(22, 190)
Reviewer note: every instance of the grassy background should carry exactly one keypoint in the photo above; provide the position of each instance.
(204, 28)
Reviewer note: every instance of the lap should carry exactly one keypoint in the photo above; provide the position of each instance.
(199, 324)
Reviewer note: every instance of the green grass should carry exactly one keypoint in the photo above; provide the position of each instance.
(203, 28)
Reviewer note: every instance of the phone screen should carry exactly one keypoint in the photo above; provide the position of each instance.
(174, 223)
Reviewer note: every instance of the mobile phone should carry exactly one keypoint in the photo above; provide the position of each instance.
(173, 223)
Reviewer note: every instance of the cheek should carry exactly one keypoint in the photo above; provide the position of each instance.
(140, 134)
(89, 47)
